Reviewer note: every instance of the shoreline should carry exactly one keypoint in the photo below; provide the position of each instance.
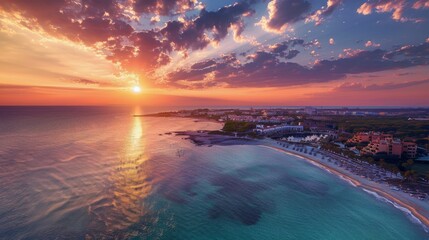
(402, 201)
(412, 207)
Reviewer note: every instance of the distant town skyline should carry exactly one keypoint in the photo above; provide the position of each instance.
(214, 53)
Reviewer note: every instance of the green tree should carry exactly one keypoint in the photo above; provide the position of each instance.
(410, 175)
(234, 126)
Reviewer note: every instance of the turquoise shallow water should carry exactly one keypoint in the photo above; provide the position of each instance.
(99, 173)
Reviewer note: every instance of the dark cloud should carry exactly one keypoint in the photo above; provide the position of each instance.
(364, 61)
(88, 21)
(378, 60)
(152, 48)
(404, 74)
(281, 49)
(284, 12)
(261, 69)
(107, 23)
(97, 29)
(378, 87)
(192, 35)
(367, 76)
(319, 15)
(204, 64)
(145, 52)
(99, 8)
(267, 69)
(228, 69)
(283, 46)
(291, 54)
(164, 7)
(332, 5)
(421, 51)
(86, 81)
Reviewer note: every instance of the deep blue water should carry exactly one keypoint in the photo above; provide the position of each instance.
(99, 173)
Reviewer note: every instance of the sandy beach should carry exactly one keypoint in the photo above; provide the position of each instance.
(417, 210)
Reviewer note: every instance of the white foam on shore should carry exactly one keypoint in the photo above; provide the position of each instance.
(413, 218)
(307, 159)
(348, 180)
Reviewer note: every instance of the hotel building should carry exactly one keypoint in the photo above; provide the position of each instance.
(384, 143)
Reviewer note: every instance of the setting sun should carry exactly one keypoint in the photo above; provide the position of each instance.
(137, 89)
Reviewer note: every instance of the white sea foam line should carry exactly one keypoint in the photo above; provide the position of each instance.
(335, 174)
(403, 209)
(347, 180)
(397, 206)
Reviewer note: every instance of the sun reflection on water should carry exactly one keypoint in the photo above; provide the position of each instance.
(130, 183)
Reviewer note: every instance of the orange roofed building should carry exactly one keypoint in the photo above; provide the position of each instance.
(384, 143)
(369, 137)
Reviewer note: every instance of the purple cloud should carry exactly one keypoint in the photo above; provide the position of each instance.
(108, 23)
(319, 15)
(164, 7)
(284, 12)
(269, 68)
(379, 87)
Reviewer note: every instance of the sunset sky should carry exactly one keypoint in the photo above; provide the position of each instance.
(206, 53)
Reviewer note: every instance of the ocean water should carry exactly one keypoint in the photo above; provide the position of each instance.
(99, 173)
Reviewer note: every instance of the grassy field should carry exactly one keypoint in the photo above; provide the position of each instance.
(234, 126)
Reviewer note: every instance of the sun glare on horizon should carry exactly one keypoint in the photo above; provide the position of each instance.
(137, 89)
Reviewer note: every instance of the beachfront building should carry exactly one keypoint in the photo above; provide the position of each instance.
(410, 149)
(242, 118)
(359, 138)
(258, 119)
(385, 143)
(388, 146)
(370, 137)
(262, 129)
(306, 139)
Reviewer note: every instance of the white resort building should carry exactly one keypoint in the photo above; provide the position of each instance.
(262, 129)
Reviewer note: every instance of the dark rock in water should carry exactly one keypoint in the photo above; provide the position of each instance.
(215, 212)
(179, 185)
(247, 213)
(237, 199)
(192, 194)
